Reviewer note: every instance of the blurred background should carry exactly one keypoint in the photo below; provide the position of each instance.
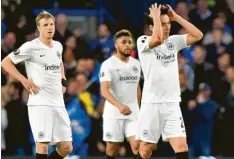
(85, 28)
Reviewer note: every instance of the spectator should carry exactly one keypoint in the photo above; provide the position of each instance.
(218, 23)
(228, 117)
(230, 4)
(80, 121)
(81, 66)
(187, 98)
(31, 36)
(69, 60)
(82, 47)
(99, 55)
(3, 24)
(104, 40)
(215, 49)
(73, 44)
(4, 123)
(203, 114)
(182, 10)
(186, 94)
(203, 71)
(62, 33)
(183, 66)
(8, 44)
(93, 68)
(17, 132)
(202, 16)
(227, 28)
(219, 82)
(84, 96)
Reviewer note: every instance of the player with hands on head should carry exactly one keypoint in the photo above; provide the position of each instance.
(160, 110)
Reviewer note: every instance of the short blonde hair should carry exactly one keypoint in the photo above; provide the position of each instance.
(42, 15)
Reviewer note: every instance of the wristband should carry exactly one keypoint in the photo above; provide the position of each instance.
(64, 83)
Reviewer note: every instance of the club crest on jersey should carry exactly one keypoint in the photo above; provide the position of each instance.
(170, 46)
(16, 52)
(58, 54)
(135, 69)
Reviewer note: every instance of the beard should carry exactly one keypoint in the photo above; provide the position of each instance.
(125, 55)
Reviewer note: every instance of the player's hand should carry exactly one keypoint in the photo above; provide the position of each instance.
(171, 13)
(125, 110)
(31, 87)
(155, 11)
(64, 89)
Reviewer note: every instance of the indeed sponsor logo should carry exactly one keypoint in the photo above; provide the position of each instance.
(52, 67)
(126, 78)
(165, 57)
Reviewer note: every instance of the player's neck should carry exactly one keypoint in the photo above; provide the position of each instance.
(165, 38)
(122, 58)
(47, 42)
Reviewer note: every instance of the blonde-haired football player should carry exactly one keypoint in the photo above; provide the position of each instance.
(46, 84)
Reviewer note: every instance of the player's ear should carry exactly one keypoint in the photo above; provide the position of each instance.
(151, 27)
(116, 44)
(38, 27)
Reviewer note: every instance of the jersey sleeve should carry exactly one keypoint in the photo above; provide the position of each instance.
(60, 52)
(21, 54)
(105, 74)
(139, 65)
(143, 44)
(180, 41)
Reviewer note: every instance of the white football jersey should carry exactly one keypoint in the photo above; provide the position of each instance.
(43, 68)
(124, 78)
(160, 69)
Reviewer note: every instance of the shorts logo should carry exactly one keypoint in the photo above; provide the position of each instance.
(182, 124)
(16, 52)
(108, 135)
(170, 46)
(135, 69)
(40, 135)
(58, 54)
(145, 133)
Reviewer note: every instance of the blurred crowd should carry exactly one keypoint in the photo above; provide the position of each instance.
(206, 72)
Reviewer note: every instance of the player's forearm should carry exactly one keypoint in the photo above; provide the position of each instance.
(139, 94)
(156, 37)
(62, 71)
(8, 65)
(110, 98)
(190, 28)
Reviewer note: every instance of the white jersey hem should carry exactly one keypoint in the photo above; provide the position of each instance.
(46, 105)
